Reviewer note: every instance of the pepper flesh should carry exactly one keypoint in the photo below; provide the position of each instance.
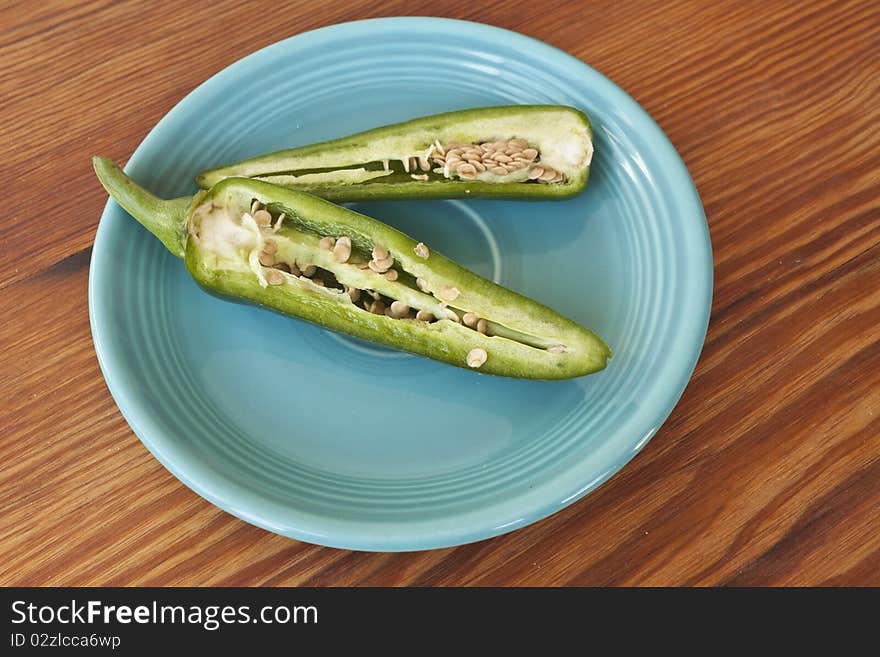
(218, 238)
(374, 165)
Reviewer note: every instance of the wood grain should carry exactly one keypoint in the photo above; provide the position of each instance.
(767, 472)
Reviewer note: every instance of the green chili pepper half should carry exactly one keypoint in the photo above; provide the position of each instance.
(308, 258)
(520, 151)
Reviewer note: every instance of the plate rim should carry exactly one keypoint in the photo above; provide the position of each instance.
(207, 483)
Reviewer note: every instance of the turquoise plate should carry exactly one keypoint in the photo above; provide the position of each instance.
(333, 441)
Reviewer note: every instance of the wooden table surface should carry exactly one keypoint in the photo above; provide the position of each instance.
(768, 470)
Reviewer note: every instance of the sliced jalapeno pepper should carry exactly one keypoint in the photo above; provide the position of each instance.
(520, 151)
(308, 258)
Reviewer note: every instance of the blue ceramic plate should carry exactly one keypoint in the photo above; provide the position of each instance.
(334, 441)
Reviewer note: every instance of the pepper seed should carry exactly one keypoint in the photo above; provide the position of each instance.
(342, 249)
(269, 247)
(422, 251)
(399, 309)
(467, 171)
(354, 294)
(274, 277)
(449, 293)
(262, 217)
(476, 357)
(422, 284)
(470, 319)
(380, 252)
(267, 259)
(327, 243)
(278, 221)
(483, 326)
(381, 266)
(424, 316)
(309, 270)
(391, 274)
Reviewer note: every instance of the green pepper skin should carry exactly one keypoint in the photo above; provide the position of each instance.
(562, 130)
(183, 224)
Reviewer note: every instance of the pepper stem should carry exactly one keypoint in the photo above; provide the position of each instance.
(164, 219)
